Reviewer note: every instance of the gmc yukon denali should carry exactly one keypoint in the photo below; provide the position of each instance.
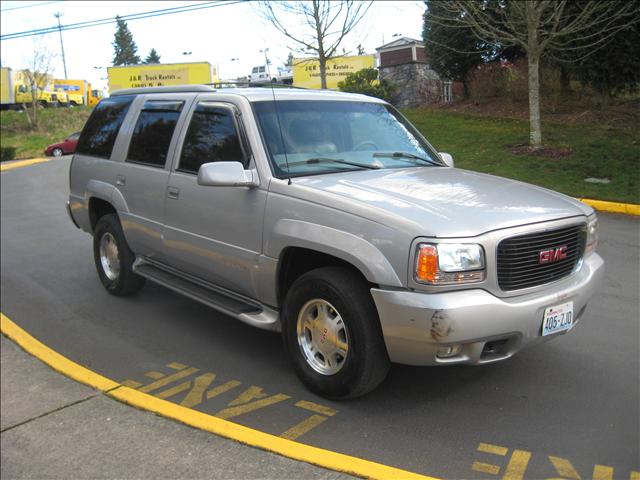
(329, 218)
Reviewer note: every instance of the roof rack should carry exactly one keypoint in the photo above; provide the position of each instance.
(207, 87)
(167, 89)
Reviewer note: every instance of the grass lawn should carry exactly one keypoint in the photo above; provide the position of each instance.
(482, 144)
(55, 124)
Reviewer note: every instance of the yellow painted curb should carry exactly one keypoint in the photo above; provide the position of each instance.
(255, 438)
(288, 448)
(614, 207)
(54, 359)
(21, 163)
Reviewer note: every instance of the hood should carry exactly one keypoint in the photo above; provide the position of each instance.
(445, 202)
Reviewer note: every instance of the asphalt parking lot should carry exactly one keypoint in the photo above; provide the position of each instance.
(566, 409)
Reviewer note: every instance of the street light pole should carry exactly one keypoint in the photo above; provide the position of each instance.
(64, 62)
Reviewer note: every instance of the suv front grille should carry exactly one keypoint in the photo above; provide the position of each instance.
(519, 257)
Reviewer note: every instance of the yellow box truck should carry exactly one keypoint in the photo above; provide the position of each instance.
(16, 92)
(160, 74)
(306, 71)
(7, 94)
(76, 90)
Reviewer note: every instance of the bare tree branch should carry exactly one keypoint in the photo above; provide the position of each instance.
(328, 23)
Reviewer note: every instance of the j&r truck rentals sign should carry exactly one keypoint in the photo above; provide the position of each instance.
(159, 75)
(306, 71)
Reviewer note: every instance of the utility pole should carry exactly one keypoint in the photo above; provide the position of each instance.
(64, 62)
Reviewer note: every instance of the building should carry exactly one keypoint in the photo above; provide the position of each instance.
(404, 63)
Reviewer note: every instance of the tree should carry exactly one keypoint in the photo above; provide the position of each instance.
(36, 77)
(153, 57)
(327, 22)
(452, 52)
(366, 81)
(125, 49)
(539, 27)
(609, 71)
(361, 50)
(289, 60)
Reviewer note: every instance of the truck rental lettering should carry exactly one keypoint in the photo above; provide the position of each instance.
(155, 80)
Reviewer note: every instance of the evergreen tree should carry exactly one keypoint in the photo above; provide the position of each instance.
(153, 57)
(452, 52)
(125, 49)
(289, 60)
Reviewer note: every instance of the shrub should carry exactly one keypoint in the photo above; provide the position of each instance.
(366, 82)
(7, 153)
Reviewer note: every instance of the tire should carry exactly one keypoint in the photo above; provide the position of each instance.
(339, 302)
(113, 257)
(57, 152)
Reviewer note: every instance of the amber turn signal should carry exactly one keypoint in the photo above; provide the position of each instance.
(427, 263)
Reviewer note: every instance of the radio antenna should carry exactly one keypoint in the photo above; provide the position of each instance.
(275, 106)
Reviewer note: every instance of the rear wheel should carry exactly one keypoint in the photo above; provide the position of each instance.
(113, 257)
(332, 333)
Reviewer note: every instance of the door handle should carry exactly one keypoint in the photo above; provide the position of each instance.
(121, 180)
(173, 192)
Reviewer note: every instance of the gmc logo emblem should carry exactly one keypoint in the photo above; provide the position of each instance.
(552, 255)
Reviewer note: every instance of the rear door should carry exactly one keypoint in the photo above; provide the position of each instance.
(214, 233)
(142, 175)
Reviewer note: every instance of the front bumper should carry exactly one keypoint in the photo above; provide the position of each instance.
(416, 326)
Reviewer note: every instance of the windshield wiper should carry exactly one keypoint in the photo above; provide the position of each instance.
(311, 161)
(406, 155)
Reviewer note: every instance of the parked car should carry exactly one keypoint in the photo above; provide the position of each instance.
(328, 217)
(65, 147)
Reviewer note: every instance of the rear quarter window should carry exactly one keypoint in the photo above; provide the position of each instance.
(100, 132)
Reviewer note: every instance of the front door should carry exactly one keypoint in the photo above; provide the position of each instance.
(214, 233)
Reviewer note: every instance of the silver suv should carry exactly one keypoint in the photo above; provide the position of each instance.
(330, 218)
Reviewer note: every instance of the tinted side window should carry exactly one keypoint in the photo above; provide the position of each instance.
(101, 130)
(211, 137)
(153, 131)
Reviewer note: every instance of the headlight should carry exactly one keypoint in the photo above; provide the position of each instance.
(449, 263)
(592, 234)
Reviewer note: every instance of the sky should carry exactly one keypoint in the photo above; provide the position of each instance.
(228, 36)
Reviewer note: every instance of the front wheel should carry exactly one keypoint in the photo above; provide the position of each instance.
(332, 333)
(113, 257)
(57, 152)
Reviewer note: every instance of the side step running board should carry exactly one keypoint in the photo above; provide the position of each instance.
(247, 311)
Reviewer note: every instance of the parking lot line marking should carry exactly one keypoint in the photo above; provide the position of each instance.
(220, 389)
(303, 427)
(131, 383)
(177, 366)
(564, 468)
(54, 359)
(21, 163)
(170, 392)
(602, 472)
(517, 465)
(167, 380)
(339, 462)
(196, 394)
(494, 449)
(485, 468)
(314, 407)
(231, 412)
(154, 375)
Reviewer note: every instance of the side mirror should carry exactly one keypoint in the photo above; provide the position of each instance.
(447, 159)
(226, 174)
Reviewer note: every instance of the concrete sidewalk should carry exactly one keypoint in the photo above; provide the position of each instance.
(53, 427)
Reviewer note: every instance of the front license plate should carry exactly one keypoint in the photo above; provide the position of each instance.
(557, 319)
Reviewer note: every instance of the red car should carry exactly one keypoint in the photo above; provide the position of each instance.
(68, 145)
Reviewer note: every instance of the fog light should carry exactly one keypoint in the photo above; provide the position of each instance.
(449, 351)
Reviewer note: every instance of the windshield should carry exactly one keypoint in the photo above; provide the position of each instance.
(320, 136)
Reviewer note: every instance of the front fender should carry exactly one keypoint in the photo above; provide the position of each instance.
(346, 246)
